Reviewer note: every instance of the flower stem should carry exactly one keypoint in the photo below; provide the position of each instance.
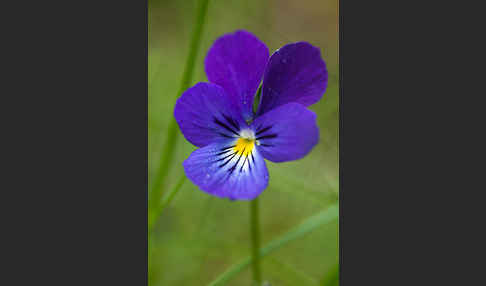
(255, 239)
(168, 148)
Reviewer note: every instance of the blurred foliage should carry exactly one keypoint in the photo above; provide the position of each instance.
(198, 236)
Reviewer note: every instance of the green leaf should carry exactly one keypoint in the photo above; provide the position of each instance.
(305, 227)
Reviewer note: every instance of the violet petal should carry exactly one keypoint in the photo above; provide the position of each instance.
(205, 115)
(218, 170)
(237, 62)
(286, 133)
(294, 73)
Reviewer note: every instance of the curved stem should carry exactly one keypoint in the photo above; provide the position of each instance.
(154, 215)
(255, 241)
(168, 148)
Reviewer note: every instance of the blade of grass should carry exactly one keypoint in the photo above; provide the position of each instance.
(155, 213)
(298, 277)
(332, 277)
(305, 227)
(151, 222)
(168, 148)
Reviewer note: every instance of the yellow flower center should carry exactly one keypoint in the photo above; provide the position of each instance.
(244, 146)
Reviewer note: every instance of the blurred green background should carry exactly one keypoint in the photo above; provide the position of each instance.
(199, 236)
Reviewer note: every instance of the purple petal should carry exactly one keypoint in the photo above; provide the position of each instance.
(236, 62)
(220, 171)
(205, 115)
(294, 73)
(286, 133)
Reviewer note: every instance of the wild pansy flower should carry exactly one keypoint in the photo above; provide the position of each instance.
(218, 116)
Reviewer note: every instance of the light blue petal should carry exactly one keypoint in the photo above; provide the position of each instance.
(219, 170)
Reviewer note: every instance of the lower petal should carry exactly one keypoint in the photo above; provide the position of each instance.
(223, 171)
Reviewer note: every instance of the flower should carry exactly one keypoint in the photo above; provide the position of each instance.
(218, 116)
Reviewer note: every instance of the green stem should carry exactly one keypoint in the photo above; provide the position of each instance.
(168, 149)
(255, 242)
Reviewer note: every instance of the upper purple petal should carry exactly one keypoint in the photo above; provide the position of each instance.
(237, 62)
(286, 133)
(205, 114)
(294, 73)
(217, 170)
